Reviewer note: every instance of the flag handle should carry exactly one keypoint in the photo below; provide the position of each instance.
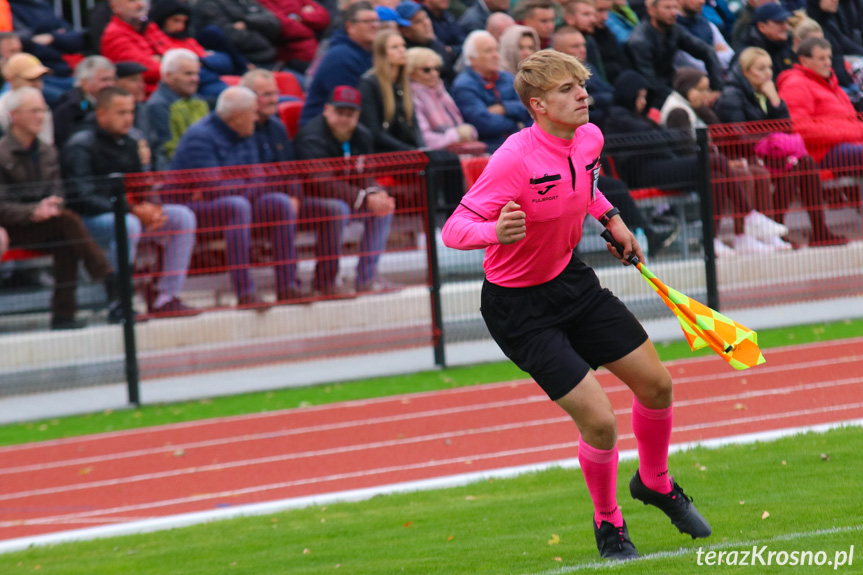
(633, 259)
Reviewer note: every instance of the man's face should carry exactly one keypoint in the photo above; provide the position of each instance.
(30, 115)
(129, 10)
(19, 81)
(342, 121)
(135, 85)
(364, 28)
(603, 8)
(541, 20)
(829, 6)
(118, 117)
(582, 17)
(487, 59)
(268, 97)
(243, 123)
(573, 44)
(420, 30)
(691, 7)
(9, 47)
(437, 5)
(774, 31)
(566, 104)
(185, 78)
(100, 79)
(821, 61)
(663, 12)
(497, 5)
(175, 24)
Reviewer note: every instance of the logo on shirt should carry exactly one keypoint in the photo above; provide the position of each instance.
(545, 191)
(544, 180)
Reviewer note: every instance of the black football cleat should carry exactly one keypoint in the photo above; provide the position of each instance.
(677, 505)
(613, 542)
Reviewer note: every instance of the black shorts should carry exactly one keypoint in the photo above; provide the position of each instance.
(559, 330)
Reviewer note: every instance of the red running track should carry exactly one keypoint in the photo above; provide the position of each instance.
(127, 476)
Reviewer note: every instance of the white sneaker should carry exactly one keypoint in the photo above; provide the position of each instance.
(761, 227)
(721, 249)
(746, 244)
(779, 244)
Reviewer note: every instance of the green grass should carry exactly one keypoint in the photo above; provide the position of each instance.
(368, 388)
(512, 525)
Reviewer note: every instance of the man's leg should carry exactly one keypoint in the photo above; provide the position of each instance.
(279, 222)
(178, 238)
(652, 419)
(329, 216)
(372, 246)
(102, 229)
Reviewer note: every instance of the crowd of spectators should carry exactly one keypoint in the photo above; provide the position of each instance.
(192, 84)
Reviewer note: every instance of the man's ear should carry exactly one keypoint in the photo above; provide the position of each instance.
(537, 105)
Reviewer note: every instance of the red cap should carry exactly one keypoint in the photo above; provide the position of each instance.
(346, 97)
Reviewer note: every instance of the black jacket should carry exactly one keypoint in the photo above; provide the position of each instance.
(614, 58)
(257, 41)
(652, 56)
(72, 112)
(840, 43)
(314, 140)
(738, 103)
(85, 161)
(396, 136)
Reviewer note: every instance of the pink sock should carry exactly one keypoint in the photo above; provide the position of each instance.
(600, 473)
(652, 430)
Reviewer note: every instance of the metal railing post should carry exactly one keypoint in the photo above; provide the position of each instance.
(434, 272)
(705, 193)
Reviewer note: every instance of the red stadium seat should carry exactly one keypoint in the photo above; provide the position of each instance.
(290, 112)
(230, 80)
(289, 85)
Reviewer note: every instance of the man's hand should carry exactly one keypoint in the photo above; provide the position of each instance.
(48, 208)
(381, 203)
(151, 215)
(622, 234)
(510, 226)
(44, 39)
(497, 109)
(295, 203)
(239, 25)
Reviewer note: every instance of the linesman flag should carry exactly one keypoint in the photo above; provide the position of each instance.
(702, 326)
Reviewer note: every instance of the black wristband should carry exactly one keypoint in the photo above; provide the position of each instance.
(606, 217)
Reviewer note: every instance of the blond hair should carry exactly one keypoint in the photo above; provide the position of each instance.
(418, 55)
(381, 71)
(747, 57)
(542, 71)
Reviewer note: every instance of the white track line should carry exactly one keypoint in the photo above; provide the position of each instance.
(355, 474)
(388, 419)
(852, 342)
(186, 519)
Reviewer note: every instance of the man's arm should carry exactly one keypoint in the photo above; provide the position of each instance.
(468, 97)
(703, 51)
(642, 53)
(82, 185)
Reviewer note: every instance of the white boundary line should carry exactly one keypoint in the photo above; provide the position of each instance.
(186, 519)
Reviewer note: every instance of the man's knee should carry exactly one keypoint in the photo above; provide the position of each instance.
(180, 217)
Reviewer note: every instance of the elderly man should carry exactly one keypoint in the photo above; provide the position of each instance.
(32, 211)
(336, 134)
(25, 70)
(484, 93)
(75, 108)
(87, 159)
(173, 107)
(226, 138)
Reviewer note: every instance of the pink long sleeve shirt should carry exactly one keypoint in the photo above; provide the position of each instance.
(554, 181)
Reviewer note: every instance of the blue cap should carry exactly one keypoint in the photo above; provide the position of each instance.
(770, 12)
(408, 10)
(387, 14)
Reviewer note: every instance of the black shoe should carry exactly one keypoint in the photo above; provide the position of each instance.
(658, 241)
(614, 542)
(254, 301)
(175, 308)
(676, 504)
(292, 295)
(116, 317)
(63, 323)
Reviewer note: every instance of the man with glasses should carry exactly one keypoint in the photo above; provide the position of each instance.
(346, 60)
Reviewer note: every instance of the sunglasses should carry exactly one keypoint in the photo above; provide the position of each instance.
(429, 69)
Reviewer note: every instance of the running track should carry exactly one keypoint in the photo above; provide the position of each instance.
(129, 476)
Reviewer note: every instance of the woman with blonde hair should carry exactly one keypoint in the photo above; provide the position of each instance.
(517, 43)
(439, 119)
(387, 101)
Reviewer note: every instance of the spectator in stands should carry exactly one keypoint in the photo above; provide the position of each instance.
(10, 44)
(671, 161)
(130, 77)
(805, 28)
(346, 60)
(600, 93)
(770, 31)
(825, 13)
(88, 157)
(4, 237)
(26, 70)
(653, 44)
(611, 52)
(539, 15)
(497, 23)
(692, 19)
(476, 15)
(301, 23)
(32, 211)
(581, 15)
(751, 96)
(440, 122)
(226, 138)
(517, 43)
(622, 20)
(485, 94)
(337, 134)
(252, 29)
(743, 20)
(173, 107)
(419, 33)
(75, 109)
(822, 112)
(445, 26)
(48, 37)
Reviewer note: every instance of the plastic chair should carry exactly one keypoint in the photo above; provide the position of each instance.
(289, 85)
(289, 113)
